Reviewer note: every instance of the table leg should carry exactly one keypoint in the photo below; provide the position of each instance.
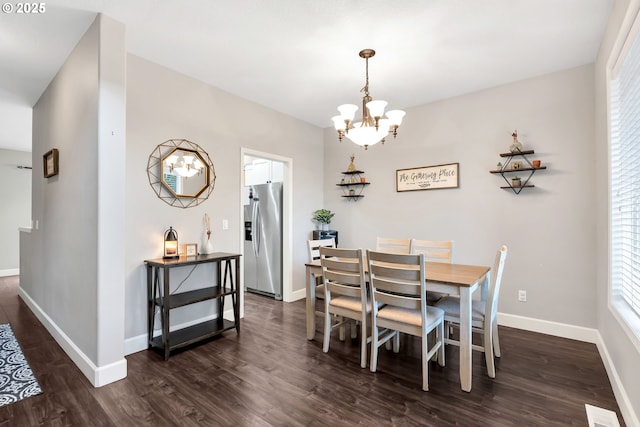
(236, 290)
(311, 302)
(150, 304)
(166, 304)
(222, 283)
(465, 338)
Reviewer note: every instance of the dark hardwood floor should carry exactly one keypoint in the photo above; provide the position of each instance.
(270, 375)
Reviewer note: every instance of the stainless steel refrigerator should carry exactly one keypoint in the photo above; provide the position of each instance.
(263, 240)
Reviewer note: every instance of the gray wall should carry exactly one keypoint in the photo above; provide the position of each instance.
(548, 229)
(74, 259)
(16, 206)
(163, 104)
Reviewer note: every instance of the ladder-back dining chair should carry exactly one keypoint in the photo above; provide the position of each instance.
(484, 316)
(399, 304)
(346, 298)
(314, 254)
(392, 245)
(435, 251)
(313, 251)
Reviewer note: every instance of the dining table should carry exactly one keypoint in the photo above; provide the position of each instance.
(454, 279)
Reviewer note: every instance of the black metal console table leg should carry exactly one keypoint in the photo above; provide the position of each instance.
(165, 314)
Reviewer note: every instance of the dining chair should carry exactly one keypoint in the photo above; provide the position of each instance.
(313, 250)
(345, 298)
(399, 304)
(484, 319)
(314, 254)
(434, 251)
(392, 245)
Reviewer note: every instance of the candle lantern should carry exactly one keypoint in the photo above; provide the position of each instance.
(170, 243)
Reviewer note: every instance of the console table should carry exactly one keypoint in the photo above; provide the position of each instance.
(159, 295)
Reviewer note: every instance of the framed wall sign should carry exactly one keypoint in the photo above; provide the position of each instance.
(427, 177)
(191, 249)
(50, 163)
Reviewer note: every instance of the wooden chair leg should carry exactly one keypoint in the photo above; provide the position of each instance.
(496, 340)
(363, 343)
(354, 329)
(440, 339)
(488, 351)
(425, 363)
(327, 327)
(374, 349)
(396, 342)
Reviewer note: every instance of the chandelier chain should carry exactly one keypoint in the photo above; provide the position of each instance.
(365, 89)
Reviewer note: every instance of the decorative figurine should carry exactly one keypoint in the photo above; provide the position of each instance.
(516, 146)
(352, 166)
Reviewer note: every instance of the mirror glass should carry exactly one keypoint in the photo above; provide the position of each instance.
(185, 173)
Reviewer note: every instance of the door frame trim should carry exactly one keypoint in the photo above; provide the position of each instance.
(287, 221)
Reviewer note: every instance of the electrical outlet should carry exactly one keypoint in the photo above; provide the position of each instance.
(522, 296)
(225, 224)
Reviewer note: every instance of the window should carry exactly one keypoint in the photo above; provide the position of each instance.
(625, 178)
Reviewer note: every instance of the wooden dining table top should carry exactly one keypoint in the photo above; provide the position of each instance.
(458, 274)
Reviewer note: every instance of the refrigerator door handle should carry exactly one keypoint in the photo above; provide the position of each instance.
(256, 227)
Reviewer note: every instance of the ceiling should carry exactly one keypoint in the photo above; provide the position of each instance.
(300, 57)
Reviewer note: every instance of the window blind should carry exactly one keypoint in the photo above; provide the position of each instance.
(625, 178)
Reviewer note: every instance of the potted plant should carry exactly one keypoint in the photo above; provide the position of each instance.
(323, 217)
(515, 181)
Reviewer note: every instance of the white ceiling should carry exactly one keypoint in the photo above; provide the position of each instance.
(300, 57)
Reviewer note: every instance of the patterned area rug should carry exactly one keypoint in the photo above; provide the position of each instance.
(16, 379)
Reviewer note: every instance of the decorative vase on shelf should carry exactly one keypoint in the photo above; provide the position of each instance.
(516, 146)
(207, 244)
(352, 166)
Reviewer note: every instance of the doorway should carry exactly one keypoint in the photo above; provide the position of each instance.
(259, 168)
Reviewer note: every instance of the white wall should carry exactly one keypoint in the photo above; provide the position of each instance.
(621, 350)
(73, 262)
(16, 206)
(548, 229)
(162, 105)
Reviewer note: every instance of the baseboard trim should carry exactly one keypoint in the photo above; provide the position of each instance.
(578, 333)
(10, 272)
(626, 408)
(298, 295)
(547, 327)
(98, 376)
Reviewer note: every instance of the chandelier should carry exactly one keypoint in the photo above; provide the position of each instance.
(372, 128)
(185, 164)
